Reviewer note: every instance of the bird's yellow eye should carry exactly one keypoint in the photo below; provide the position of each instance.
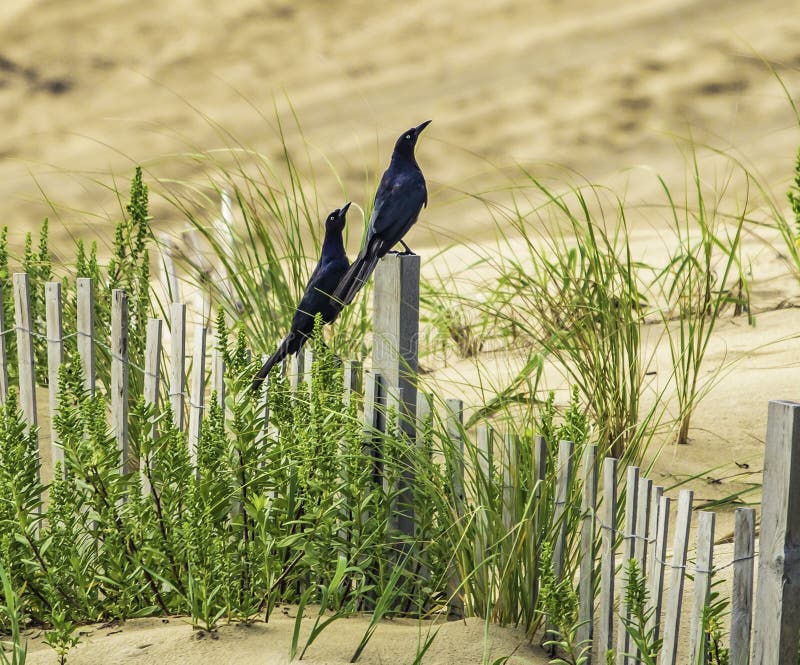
(408, 136)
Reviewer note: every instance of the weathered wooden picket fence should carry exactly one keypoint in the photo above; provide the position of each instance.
(649, 515)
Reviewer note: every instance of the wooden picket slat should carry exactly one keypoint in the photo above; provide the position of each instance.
(509, 474)
(352, 380)
(197, 395)
(152, 376)
(296, 371)
(563, 476)
(658, 555)
(424, 417)
(604, 640)
(3, 352)
(586, 578)
(402, 493)
(485, 453)
(703, 570)
(119, 376)
(669, 649)
(169, 273)
(85, 303)
(177, 367)
(308, 365)
(25, 356)
(454, 423)
(628, 553)
(539, 474)
(643, 504)
(55, 356)
(744, 541)
(374, 421)
(263, 409)
(218, 375)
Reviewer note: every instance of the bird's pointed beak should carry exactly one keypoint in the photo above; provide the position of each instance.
(418, 129)
(343, 210)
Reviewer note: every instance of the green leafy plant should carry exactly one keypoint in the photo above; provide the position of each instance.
(713, 620)
(12, 616)
(61, 637)
(638, 623)
(559, 605)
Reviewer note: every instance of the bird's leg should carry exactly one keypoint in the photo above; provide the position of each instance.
(408, 251)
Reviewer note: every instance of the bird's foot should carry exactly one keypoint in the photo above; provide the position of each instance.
(407, 249)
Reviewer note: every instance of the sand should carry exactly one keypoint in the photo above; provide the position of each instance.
(157, 641)
(609, 91)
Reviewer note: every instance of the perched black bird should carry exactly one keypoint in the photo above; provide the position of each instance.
(333, 264)
(398, 201)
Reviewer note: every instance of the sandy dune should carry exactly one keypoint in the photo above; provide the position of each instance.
(89, 89)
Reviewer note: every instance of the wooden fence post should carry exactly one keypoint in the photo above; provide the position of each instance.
(744, 541)
(152, 370)
(177, 367)
(55, 356)
(777, 615)
(586, 580)
(85, 297)
(669, 649)
(119, 376)
(197, 401)
(608, 520)
(25, 356)
(396, 331)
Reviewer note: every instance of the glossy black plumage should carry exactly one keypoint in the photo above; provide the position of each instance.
(333, 264)
(400, 197)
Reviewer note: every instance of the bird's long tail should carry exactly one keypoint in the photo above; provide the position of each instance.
(286, 347)
(357, 275)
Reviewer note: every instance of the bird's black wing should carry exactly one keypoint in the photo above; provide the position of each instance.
(317, 296)
(397, 204)
(316, 300)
